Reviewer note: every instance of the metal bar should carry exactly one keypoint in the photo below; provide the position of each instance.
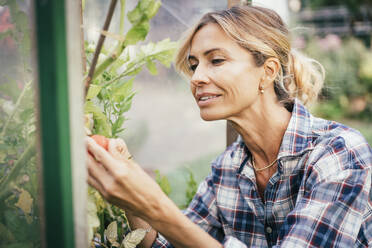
(75, 48)
(54, 123)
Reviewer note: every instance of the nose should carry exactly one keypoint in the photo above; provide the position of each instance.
(199, 77)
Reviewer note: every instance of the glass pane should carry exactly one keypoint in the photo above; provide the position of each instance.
(164, 130)
(19, 165)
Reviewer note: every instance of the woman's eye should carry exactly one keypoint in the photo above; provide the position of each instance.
(193, 67)
(217, 61)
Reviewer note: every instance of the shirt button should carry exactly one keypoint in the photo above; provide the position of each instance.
(269, 230)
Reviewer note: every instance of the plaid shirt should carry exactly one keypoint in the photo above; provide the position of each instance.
(320, 195)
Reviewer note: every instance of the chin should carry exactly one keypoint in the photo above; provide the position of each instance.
(210, 116)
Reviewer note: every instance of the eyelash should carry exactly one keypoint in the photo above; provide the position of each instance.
(217, 61)
(214, 62)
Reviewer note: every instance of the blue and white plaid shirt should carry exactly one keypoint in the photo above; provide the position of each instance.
(320, 195)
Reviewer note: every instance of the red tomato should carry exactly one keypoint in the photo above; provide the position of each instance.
(101, 140)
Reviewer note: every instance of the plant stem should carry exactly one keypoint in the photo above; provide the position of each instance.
(24, 158)
(117, 51)
(18, 102)
(100, 44)
(134, 67)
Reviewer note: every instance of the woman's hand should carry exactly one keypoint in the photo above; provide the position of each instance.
(122, 181)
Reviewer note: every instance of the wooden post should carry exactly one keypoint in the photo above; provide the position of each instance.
(231, 133)
(231, 3)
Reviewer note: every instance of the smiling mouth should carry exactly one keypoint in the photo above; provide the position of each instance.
(205, 98)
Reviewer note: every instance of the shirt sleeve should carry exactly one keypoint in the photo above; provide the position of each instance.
(203, 211)
(329, 213)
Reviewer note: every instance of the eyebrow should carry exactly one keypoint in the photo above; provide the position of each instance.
(207, 52)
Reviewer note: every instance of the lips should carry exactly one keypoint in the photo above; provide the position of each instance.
(206, 98)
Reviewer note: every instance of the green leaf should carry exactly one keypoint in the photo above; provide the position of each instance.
(93, 91)
(116, 65)
(163, 182)
(27, 114)
(116, 127)
(101, 124)
(122, 90)
(163, 51)
(137, 33)
(192, 187)
(133, 72)
(126, 107)
(152, 9)
(144, 11)
(119, 122)
(135, 15)
(5, 234)
(152, 67)
(16, 224)
(144, 4)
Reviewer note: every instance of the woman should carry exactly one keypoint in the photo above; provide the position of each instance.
(290, 179)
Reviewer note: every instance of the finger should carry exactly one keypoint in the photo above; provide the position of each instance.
(118, 149)
(92, 182)
(96, 171)
(101, 155)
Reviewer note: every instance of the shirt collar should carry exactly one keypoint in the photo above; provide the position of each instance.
(298, 137)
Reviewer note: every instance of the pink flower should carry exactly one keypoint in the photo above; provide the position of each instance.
(330, 42)
(299, 42)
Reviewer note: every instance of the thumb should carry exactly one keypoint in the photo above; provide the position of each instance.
(118, 149)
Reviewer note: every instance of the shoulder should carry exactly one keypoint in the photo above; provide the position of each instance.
(327, 131)
(337, 148)
(336, 139)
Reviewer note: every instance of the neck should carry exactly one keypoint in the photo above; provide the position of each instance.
(262, 129)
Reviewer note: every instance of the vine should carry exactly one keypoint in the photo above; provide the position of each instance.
(109, 96)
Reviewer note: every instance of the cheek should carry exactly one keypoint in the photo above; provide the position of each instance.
(192, 88)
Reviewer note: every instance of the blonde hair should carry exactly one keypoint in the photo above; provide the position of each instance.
(263, 33)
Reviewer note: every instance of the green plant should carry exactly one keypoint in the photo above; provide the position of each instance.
(163, 182)
(348, 82)
(110, 96)
(19, 213)
(191, 188)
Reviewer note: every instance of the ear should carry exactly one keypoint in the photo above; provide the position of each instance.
(271, 68)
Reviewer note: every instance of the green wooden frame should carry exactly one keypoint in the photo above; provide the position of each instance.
(54, 123)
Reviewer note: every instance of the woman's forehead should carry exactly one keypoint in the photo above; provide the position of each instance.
(210, 37)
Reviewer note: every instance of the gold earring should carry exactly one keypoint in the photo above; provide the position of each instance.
(262, 89)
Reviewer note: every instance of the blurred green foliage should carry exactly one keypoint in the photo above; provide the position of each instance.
(19, 182)
(348, 84)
